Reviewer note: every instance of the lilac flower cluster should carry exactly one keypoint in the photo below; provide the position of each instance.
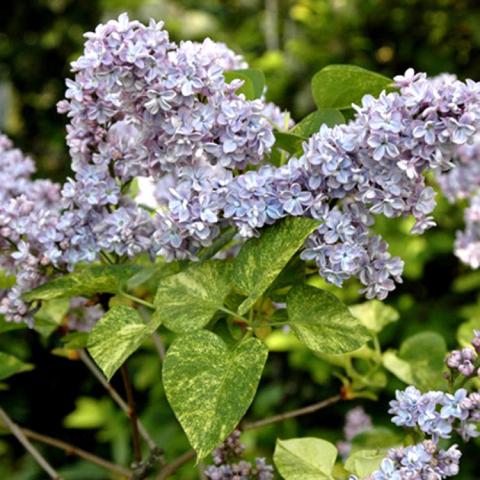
(227, 467)
(463, 182)
(172, 99)
(464, 361)
(375, 164)
(437, 414)
(139, 106)
(420, 462)
(357, 421)
(26, 241)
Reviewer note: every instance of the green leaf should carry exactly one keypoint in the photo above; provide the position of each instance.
(10, 365)
(377, 438)
(210, 386)
(8, 326)
(420, 361)
(305, 459)
(188, 300)
(312, 122)
(338, 86)
(364, 462)
(261, 259)
(289, 142)
(322, 322)
(375, 315)
(88, 413)
(399, 367)
(85, 281)
(50, 316)
(153, 272)
(115, 337)
(75, 340)
(254, 81)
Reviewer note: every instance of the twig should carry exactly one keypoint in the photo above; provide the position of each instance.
(73, 450)
(160, 347)
(171, 468)
(132, 413)
(143, 469)
(138, 300)
(116, 397)
(17, 432)
(294, 413)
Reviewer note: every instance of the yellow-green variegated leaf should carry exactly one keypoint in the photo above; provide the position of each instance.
(210, 386)
(84, 281)
(322, 322)
(188, 300)
(374, 314)
(305, 459)
(261, 259)
(363, 463)
(115, 337)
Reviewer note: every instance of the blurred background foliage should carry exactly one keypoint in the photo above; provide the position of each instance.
(289, 40)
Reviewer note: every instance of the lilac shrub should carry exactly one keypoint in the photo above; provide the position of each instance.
(171, 154)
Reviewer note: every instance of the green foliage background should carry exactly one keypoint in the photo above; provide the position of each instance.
(290, 41)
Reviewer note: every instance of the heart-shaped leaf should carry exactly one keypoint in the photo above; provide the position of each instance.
(261, 259)
(322, 322)
(210, 386)
(115, 337)
(188, 300)
(305, 459)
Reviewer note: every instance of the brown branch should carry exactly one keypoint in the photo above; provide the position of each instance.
(172, 468)
(20, 435)
(78, 452)
(116, 397)
(132, 413)
(294, 413)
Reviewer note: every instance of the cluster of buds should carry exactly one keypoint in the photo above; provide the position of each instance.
(465, 361)
(229, 466)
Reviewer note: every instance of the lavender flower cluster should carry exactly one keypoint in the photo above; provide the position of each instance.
(228, 467)
(143, 107)
(463, 182)
(25, 220)
(438, 414)
(140, 106)
(424, 461)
